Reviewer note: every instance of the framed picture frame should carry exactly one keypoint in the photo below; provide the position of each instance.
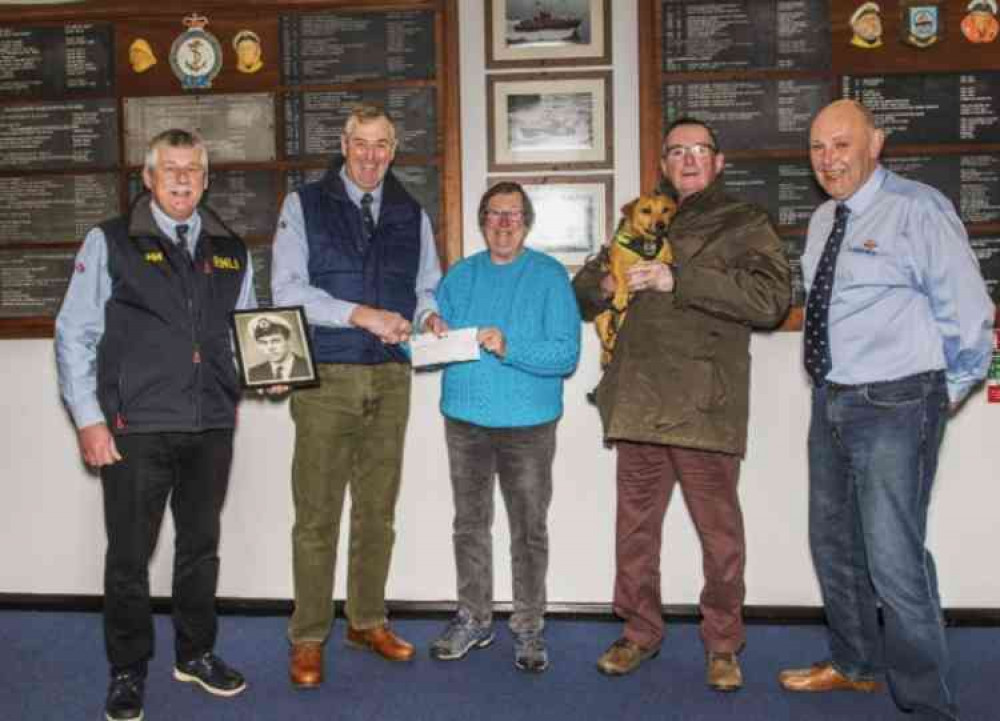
(541, 33)
(550, 121)
(573, 214)
(273, 347)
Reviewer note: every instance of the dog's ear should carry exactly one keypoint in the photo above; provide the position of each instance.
(628, 207)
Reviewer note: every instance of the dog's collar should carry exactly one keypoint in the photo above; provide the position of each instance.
(646, 247)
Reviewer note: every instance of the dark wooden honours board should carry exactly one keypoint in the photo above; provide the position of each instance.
(52, 60)
(759, 70)
(267, 83)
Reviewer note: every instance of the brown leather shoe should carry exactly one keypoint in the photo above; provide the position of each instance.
(306, 666)
(823, 677)
(723, 672)
(382, 641)
(624, 657)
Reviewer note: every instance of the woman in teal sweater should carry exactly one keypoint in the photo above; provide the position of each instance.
(500, 414)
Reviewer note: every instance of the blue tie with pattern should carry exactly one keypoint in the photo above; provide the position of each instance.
(367, 217)
(816, 336)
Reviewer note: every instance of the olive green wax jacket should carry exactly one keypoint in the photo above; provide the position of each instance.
(680, 374)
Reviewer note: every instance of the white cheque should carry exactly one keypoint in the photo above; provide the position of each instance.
(426, 349)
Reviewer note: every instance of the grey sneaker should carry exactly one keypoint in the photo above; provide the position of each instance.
(461, 636)
(529, 652)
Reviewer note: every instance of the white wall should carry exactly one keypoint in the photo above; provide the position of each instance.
(51, 528)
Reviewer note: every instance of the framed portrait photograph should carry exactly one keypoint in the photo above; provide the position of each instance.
(273, 347)
(573, 214)
(550, 121)
(540, 33)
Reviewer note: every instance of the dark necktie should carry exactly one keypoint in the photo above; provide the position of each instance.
(182, 240)
(367, 218)
(816, 337)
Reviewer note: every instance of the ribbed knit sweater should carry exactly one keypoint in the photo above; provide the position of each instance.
(530, 300)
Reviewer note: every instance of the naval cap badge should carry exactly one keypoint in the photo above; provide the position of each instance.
(196, 55)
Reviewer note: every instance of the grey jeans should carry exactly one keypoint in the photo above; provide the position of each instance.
(521, 459)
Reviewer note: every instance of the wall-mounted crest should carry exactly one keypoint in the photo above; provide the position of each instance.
(196, 55)
(922, 22)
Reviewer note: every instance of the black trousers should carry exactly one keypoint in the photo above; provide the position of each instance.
(192, 470)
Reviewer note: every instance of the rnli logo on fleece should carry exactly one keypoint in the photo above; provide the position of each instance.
(224, 263)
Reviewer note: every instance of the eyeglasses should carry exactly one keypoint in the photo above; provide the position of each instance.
(696, 150)
(501, 216)
(177, 171)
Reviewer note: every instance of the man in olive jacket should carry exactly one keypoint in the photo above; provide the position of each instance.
(674, 399)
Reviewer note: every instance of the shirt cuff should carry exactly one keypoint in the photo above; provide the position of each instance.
(87, 414)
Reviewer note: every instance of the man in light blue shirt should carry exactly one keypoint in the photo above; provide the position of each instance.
(146, 369)
(898, 330)
(357, 251)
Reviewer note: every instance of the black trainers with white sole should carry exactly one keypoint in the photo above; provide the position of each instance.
(212, 674)
(125, 696)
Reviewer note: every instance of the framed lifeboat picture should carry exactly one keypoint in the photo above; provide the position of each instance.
(550, 121)
(539, 33)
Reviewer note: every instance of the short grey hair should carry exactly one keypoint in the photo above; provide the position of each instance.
(175, 138)
(506, 187)
(367, 113)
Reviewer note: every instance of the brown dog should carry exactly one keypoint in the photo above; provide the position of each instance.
(641, 235)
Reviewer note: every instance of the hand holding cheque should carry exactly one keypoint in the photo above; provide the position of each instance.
(453, 346)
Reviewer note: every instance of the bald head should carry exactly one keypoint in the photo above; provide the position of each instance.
(844, 146)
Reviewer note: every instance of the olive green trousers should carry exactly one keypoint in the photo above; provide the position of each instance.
(349, 434)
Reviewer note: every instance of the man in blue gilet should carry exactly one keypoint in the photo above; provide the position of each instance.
(357, 251)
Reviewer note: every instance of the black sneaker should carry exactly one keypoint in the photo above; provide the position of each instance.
(212, 674)
(125, 696)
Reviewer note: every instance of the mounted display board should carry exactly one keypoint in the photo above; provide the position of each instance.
(268, 85)
(758, 71)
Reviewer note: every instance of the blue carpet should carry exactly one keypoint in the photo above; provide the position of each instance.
(53, 667)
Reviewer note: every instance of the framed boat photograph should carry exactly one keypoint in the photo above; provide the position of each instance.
(539, 33)
(273, 347)
(550, 121)
(573, 214)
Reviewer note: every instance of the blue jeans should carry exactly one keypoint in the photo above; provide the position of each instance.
(873, 453)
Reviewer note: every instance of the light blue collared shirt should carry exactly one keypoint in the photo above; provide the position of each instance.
(290, 264)
(80, 323)
(908, 296)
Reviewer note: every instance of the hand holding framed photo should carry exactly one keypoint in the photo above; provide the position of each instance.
(273, 347)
